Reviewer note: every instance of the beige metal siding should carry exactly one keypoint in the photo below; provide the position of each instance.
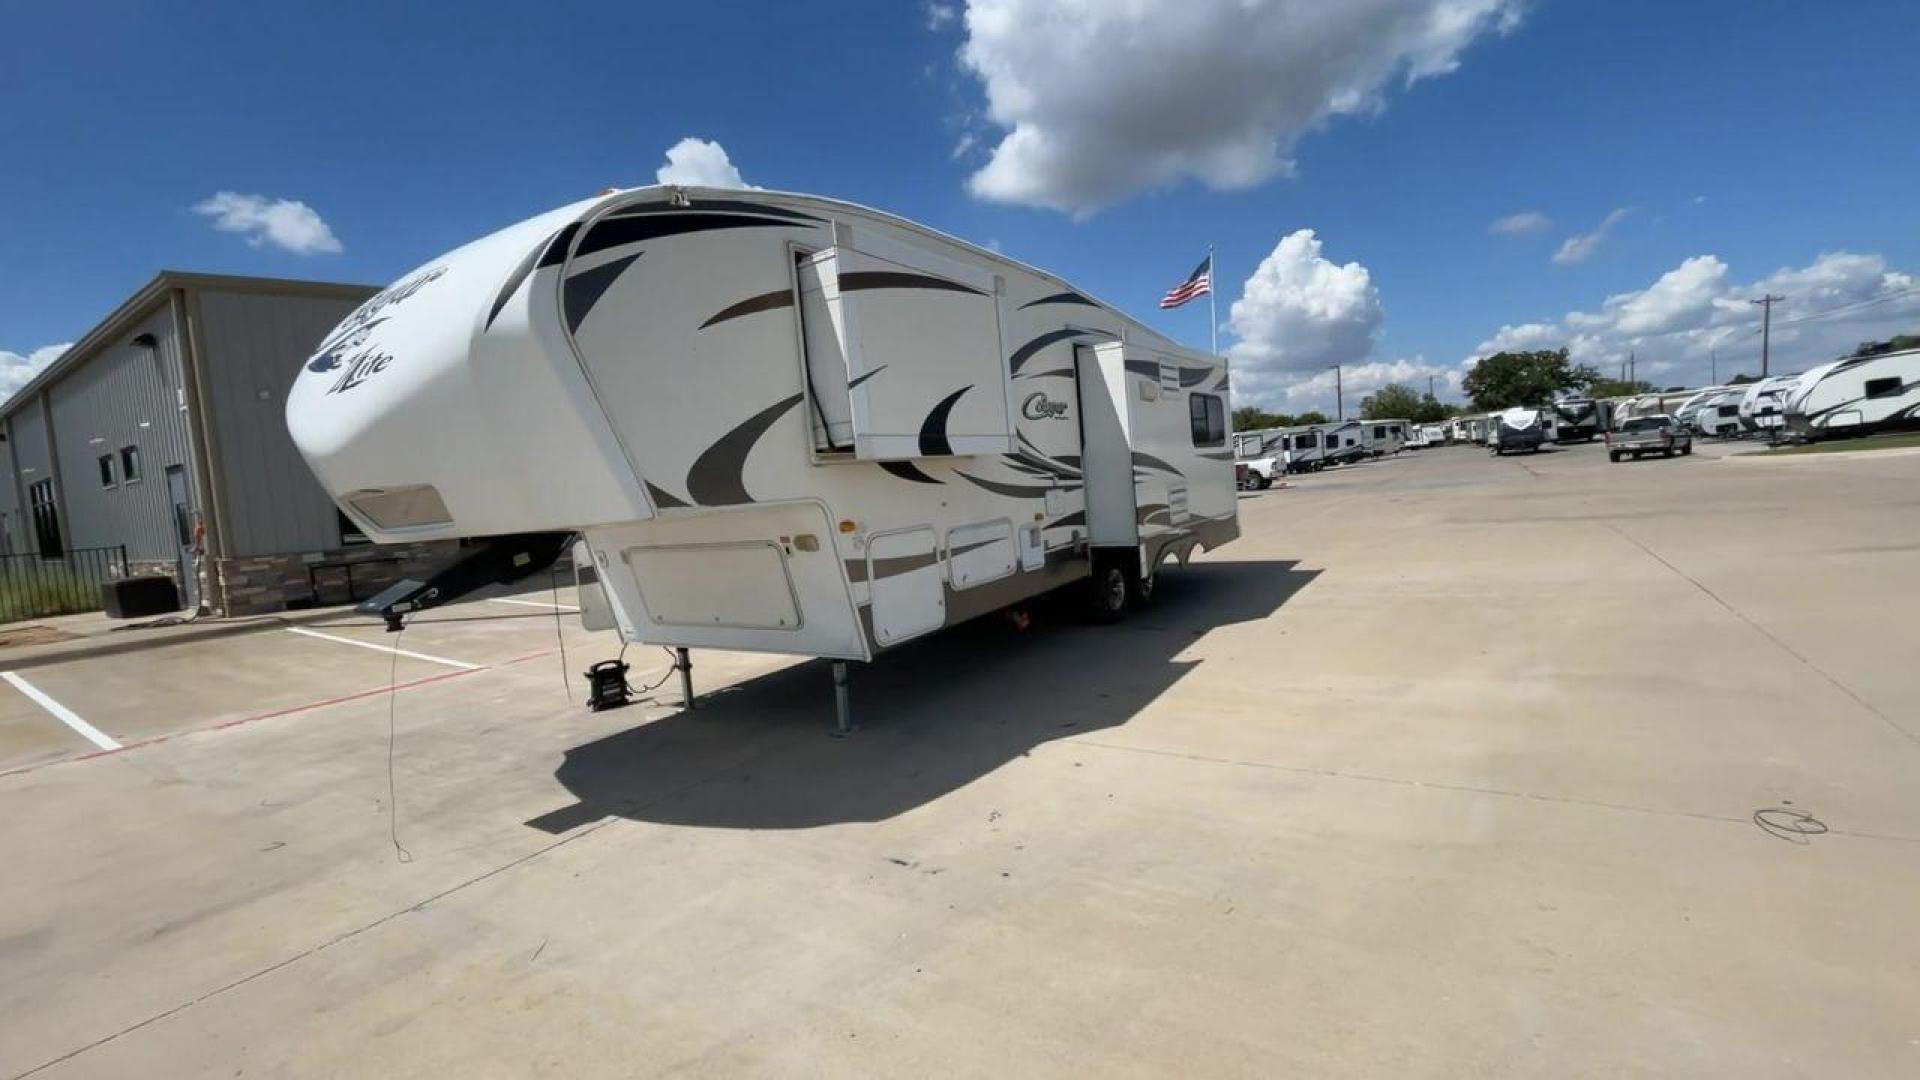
(252, 345)
(124, 395)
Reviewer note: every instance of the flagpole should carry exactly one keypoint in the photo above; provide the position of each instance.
(1213, 320)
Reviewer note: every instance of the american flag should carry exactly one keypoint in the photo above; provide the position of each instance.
(1199, 283)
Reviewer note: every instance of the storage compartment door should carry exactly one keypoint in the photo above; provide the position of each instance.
(977, 554)
(743, 586)
(925, 366)
(906, 584)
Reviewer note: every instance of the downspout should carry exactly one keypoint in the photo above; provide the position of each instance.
(200, 445)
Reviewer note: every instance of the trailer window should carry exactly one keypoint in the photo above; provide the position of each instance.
(1209, 417)
(1887, 387)
(1306, 440)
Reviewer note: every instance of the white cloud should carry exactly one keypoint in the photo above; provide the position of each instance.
(1527, 221)
(287, 224)
(1297, 314)
(1674, 326)
(698, 163)
(940, 15)
(16, 370)
(1099, 101)
(1578, 249)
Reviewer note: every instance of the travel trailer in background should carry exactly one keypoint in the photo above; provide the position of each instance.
(1435, 434)
(1345, 443)
(1763, 405)
(1383, 437)
(1857, 395)
(1519, 429)
(1719, 413)
(774, 423)
(1577, 420)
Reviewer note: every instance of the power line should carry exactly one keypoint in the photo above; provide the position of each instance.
(1853, 305)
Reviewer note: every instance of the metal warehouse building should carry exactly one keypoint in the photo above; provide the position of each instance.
(162, 432)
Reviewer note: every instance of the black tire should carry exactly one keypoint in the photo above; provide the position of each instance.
(1141, 588)
(1667, 453)
(1265, 482)
(1614, 455)
(1687, 450)
(1107, 592)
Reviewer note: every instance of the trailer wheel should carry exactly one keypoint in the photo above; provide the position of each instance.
(1143, 587)
(1107, 592)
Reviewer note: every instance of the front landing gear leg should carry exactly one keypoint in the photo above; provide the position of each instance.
(842, 707)
(684, 663)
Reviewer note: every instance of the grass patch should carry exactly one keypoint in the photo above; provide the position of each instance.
(47, 589)
(1835, 446)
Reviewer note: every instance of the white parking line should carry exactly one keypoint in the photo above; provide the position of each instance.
(60, 712)
(532, 603)
(461, 664)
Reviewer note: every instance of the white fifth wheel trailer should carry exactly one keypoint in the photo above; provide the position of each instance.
(1719, 414)
(774, 423)
(1857, 395)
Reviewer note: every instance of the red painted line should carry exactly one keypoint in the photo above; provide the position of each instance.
(287, 711)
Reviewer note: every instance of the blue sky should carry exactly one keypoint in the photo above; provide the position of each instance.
(1752, 138)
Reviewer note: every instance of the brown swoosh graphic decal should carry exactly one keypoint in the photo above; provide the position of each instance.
(514, 280)
(767, 301)
(1059, 298)
(906, 470)
(718, 476)
(584, 289)
(662, 499)
(1025, 352)
(933, 432)
(1152, 462)
(1013, 490)
(899, 279)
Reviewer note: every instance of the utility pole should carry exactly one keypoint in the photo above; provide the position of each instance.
(1633, 365)
(1339, 398)
(1713, 357)
(1766, 328)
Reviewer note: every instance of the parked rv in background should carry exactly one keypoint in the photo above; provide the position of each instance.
(1345, 442)
(1858, 395)
(1719, 414)
(1384, 437)
(1763, 405)
(1577, 420)
(1519, 429)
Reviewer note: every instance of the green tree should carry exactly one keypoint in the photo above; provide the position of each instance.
(1391, 402)
(1742, 379)
(1312, 416)
(1254, 418)
(1432, 410)
(1507, 379)
(1602, 388)
(1896, 343)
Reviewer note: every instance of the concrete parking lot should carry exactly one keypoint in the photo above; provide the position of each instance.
(1450, 766)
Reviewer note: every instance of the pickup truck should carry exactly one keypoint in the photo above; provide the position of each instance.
(1657, 434)
(1258, 474)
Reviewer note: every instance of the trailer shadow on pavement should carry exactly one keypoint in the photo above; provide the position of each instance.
(933, 716)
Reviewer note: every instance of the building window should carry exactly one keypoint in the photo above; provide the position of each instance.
(1209, 417)
(130, 464)
(1887, 387)
(106, 471)
(46, 519)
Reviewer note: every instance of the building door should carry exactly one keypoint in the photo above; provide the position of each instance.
(46, 519)
(183, 531)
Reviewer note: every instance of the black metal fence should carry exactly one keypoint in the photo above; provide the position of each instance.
(32, 587)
